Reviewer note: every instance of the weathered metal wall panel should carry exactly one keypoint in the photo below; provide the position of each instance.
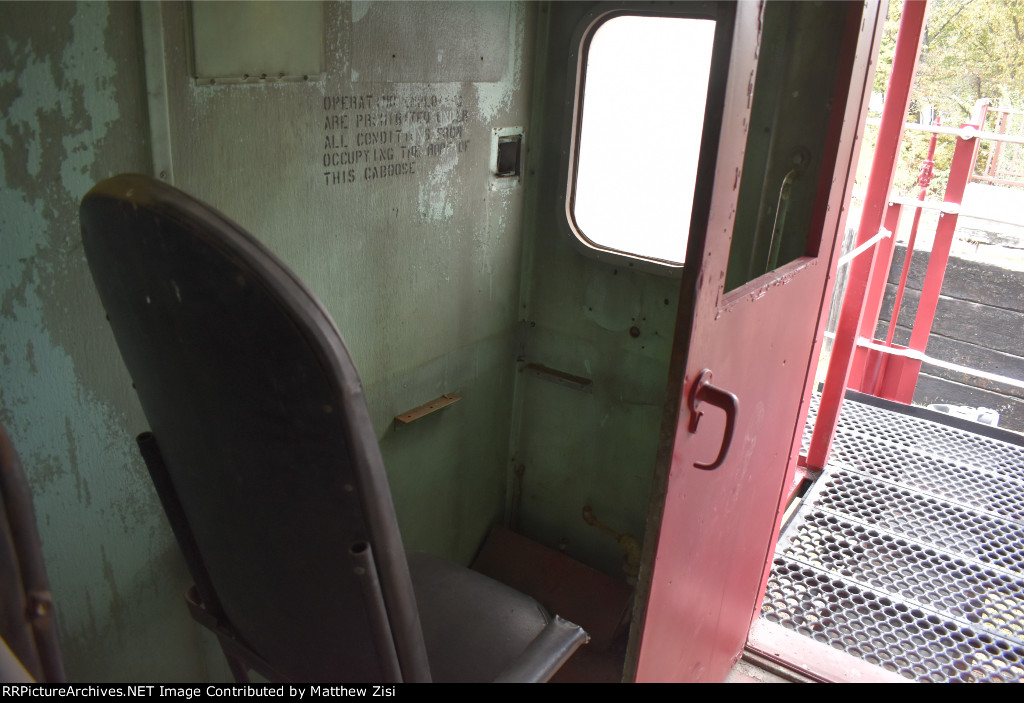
(597, 319)
(376, 187)
(437, 42)
(73, 105)
(395, 222)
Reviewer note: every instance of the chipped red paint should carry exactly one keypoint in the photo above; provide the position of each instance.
(718, 527)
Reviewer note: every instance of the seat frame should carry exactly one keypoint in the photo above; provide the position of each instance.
(258, 417)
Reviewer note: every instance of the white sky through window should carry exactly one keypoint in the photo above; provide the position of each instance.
(646, 85)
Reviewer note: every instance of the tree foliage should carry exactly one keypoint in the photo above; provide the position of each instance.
(971, 49)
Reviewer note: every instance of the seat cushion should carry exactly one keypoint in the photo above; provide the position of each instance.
(474, 626)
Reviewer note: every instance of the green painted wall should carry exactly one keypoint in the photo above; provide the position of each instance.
(594, 448)
(71, 93)
(440, 277)
(420, 271)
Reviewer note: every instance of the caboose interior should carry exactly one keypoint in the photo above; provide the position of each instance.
(415, 164)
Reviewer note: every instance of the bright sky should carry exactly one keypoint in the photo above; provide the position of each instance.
(646, 86)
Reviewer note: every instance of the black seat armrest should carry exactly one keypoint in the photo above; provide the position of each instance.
(546, 654)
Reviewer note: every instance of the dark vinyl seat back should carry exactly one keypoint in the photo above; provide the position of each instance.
(259, 415)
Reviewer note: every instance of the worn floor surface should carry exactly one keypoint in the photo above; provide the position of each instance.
(908, 551)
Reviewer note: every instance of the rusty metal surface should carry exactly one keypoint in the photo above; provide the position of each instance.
(433, 406)
(563, 378)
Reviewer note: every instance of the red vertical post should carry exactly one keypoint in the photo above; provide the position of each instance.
(924, 180)
(960, 170)
(900, 377)
(869, 364)
(890, 134)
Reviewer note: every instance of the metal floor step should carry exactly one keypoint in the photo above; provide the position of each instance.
(908, 552)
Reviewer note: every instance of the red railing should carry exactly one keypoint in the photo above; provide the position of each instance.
(1004, 164)
(881, 367)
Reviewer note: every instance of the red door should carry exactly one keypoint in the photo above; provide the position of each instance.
(718, 525)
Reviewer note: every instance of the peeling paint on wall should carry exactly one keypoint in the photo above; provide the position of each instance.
(421, 274)
(440, 192)
(104, 539)
(420, 270)
(496, 98)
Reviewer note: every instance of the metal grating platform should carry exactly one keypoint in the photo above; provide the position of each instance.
(908, 552)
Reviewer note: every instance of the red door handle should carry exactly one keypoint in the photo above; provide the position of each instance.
(703, 392)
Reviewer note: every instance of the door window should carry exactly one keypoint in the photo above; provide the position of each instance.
(780, 211)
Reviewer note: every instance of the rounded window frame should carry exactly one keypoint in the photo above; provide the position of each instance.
(578, 54)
